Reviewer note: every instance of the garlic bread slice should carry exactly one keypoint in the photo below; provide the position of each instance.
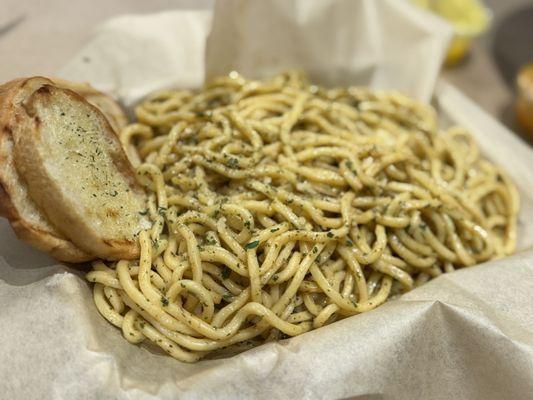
(76, 170)
(27, 220)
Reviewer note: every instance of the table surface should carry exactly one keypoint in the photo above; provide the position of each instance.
(42, 35)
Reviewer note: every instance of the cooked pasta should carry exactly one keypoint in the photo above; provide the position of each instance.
(279, 207)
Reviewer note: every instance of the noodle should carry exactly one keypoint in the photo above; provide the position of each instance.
(279, 207)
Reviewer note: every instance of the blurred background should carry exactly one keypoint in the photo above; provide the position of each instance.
(494, 42)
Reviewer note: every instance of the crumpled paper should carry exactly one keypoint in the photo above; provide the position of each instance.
(465, 335)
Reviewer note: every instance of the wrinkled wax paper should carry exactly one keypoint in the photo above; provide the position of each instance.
(465, 335)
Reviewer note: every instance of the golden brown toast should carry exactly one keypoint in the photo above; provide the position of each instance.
(27, 220)
(83, 199)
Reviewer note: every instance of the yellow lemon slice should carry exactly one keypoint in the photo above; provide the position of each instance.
(469, 18)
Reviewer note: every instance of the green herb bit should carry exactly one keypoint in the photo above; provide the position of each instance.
(211, 241)
(164, 301)
(233, 163)
(227, 298)
(252, 245)
(226, 272)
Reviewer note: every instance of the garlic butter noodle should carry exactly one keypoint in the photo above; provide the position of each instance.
(278, 207)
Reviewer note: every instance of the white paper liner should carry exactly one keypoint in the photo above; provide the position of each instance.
(465, 335)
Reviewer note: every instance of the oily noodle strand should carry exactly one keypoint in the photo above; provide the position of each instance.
(279, 207)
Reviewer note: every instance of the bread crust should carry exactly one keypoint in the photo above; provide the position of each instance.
(70, 207)
(37, 231)
(29, 220)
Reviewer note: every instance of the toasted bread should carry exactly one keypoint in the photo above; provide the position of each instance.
(74, 168)
(26, 219)
(109, 107)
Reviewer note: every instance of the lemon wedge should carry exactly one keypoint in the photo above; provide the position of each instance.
(469, 19)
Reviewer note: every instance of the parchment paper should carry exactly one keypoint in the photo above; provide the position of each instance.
(465, 335)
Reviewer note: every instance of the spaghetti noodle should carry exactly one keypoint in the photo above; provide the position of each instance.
(279, 207)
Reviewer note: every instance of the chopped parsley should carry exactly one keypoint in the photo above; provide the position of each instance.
(252, 245)
(233, 163)
(226, 272)
(227, 297)
(211, 241)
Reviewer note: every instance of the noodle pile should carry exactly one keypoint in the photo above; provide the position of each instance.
(279, 207)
